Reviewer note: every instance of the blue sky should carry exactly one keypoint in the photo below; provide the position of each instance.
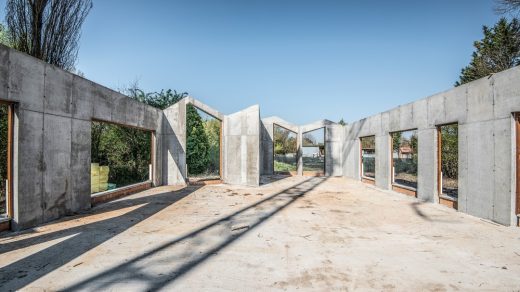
(300, 60)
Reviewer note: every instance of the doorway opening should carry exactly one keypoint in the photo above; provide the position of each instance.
(6, 157)
(313, 152)
(447, 164)
(404, 161)
(285, 149)
(203, 147)
(368, 159)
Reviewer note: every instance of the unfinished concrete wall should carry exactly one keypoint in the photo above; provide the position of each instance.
(240, 144)
(483, 110)
(53, 114)
(267, 142)
(241, 152)
(174, 144)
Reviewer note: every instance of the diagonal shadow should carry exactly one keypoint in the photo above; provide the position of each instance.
(166, 263)
(80, 239)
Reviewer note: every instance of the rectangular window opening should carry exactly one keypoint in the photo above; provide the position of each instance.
(121, 156)
(285, 150)
(368, 159)
(405, 161)
(448, 163)
(313, 152)
(6, 138)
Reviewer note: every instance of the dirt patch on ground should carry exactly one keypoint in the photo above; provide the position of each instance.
(306, 233)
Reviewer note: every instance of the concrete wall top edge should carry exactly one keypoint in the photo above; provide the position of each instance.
(458, 115)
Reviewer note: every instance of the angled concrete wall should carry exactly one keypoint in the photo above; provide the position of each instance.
(334, 137)
(240, 144)
(483, 110)
(267, 142)
(53, 114)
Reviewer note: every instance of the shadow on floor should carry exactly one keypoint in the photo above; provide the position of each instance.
(80, 238)
(169, 261)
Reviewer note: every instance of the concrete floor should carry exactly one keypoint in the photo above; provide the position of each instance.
(295, 233)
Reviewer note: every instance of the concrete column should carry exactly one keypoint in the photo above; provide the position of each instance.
(299, 156)
(427, 168)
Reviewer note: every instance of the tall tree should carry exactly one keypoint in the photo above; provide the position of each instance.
(497, 51)
(507, 6)
(47, 29)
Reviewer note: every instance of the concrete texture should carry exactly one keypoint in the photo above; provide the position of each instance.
(484, 111)
(54, 109)
(298, 233)
(241, 152)
(334, 136)
(240, 144)
(53, 113)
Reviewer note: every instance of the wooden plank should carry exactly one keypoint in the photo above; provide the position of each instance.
(404, 191)
(517, 123)
(368, 181)
(119, 193)
(439, 160)
(448, 203)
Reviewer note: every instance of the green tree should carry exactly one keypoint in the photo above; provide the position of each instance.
(449, 150)
(497, 51)
(342, 122)
(3, 157)
(396, 141)
(197, 145)
(212, 131)
(4, 36)
(162, 99)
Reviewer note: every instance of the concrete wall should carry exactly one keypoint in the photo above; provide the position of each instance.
(483, 110)
(241, 152)
(240, 144)
(53, 114)
(334, 137)
(54, 110)
(267, 142)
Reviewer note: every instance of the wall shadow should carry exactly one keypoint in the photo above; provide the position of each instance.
(81, 238)
(177, 257)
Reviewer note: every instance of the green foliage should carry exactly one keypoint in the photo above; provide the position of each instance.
(342, 122)
(4, 36)
(396, 141)
(212, 131)
(125, 150)
(281, 166)
(3, 156)
(450, 150)
(497, 51)
(197, 144)
(162, 99)
(368, 142)
(284, 141)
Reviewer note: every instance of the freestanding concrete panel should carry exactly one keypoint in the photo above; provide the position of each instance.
(241, 153)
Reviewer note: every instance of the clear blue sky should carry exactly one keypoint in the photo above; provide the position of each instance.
(300, 60)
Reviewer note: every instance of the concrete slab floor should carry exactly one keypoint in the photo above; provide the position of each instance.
(296, 233)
